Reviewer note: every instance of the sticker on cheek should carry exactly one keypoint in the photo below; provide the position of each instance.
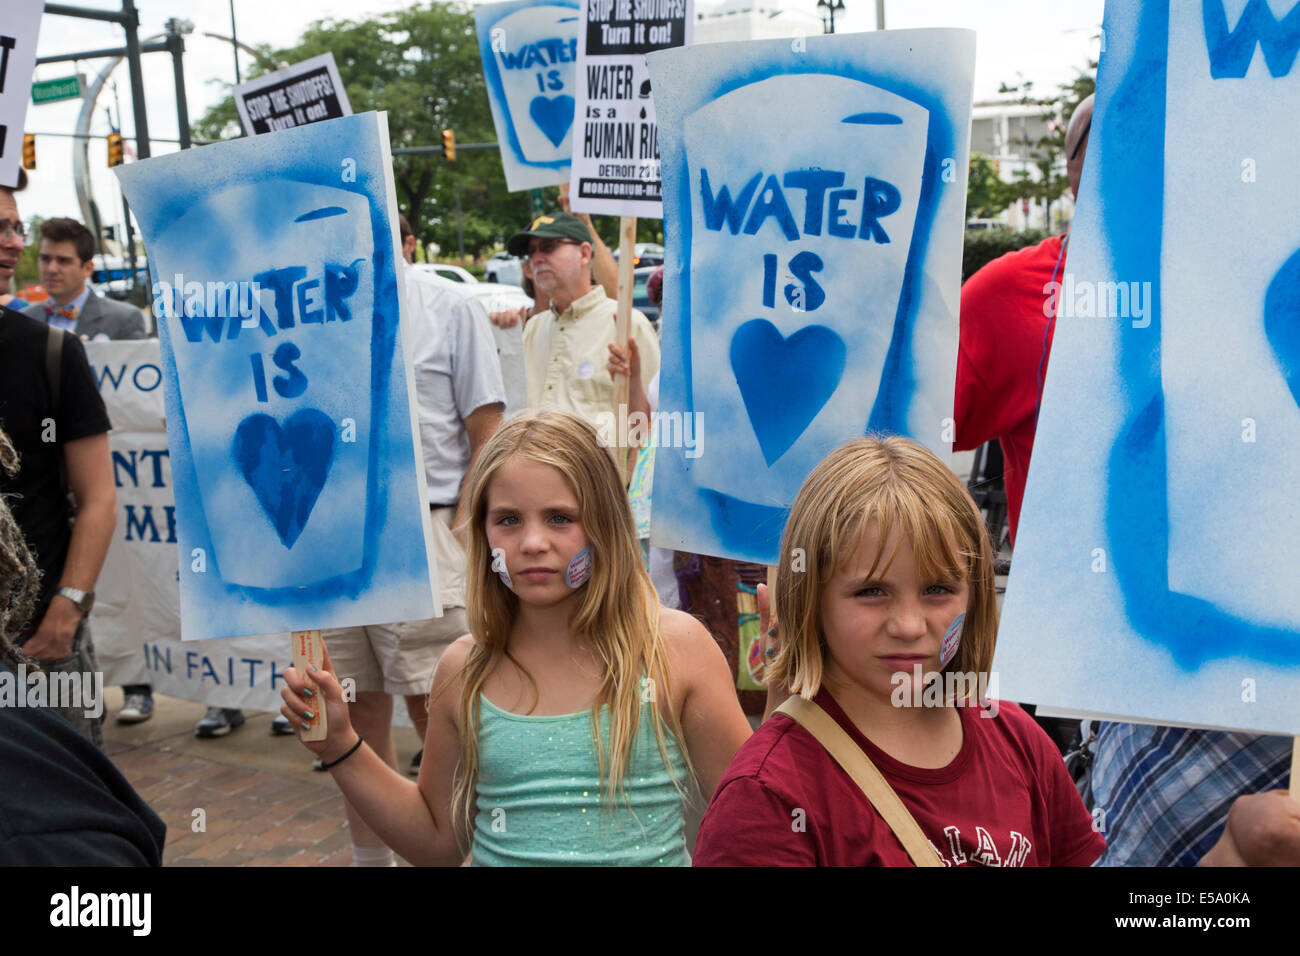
(951, 640)
(579, 568)
(499, 566)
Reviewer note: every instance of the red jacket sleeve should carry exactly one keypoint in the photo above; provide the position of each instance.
(749, 825)
(1001, 347)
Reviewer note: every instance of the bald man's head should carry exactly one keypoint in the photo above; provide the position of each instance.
(1076, 143)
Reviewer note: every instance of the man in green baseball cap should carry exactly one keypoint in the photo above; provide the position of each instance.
(566, 348)
(552, 225)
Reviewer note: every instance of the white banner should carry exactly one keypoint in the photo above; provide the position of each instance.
(19, 28)
(136, 620)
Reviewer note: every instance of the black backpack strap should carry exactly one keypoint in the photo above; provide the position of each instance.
(54, 379)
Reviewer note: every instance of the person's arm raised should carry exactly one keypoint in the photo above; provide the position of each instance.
(412, 818)
(705, 694)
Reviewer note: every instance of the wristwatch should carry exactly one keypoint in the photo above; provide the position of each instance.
(84, 600)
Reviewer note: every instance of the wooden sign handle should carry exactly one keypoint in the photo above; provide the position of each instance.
(1295, 768)
(309, 648)
(623, 328)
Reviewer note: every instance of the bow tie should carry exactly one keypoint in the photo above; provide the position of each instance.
(68, 312)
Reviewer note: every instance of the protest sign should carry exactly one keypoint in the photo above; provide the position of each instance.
(290, 404)
(813, 265)
(530, 53)
(18, 33)
(306, 92)
(136, 619)
(616, 144)
(1154, 575)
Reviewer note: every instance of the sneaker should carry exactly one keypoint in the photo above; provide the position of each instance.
(135, 708)
(280, 726)
(218, 722)
(414, 769)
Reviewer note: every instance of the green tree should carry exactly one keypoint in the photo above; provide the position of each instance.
(27, 271)
(986, 194)
(421, 64)
(1047, 153)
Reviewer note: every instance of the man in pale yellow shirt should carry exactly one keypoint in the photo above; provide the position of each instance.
(566, 348)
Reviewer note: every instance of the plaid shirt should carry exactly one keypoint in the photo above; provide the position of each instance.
(1165, 791)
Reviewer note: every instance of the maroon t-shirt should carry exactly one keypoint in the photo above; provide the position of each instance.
(1005, 800)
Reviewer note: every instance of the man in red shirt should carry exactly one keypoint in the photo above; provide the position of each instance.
(1007, 312)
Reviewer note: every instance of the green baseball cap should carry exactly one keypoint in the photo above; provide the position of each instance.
(552, 225)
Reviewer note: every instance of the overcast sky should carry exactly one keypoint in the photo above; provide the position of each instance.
(1046, 41)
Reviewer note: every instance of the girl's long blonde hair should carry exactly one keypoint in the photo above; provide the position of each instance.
(618, 609)
(904, 487)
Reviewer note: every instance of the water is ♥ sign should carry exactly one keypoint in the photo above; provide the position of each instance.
(1156, 555)
(813, 264)
(290, 414)
(529, 51)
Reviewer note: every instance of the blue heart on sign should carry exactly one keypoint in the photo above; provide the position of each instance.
(553, 116)
(785, 382)
(286, 467)
(1282, 321)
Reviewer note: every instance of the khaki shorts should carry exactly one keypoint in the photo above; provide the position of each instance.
(401, 658)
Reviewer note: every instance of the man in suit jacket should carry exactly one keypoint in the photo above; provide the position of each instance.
(66, 262)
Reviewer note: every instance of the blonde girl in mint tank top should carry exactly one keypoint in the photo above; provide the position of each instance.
(566, 727)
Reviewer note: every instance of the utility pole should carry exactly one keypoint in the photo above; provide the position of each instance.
(234, 42)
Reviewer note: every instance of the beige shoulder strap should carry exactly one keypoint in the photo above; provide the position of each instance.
(858, 765)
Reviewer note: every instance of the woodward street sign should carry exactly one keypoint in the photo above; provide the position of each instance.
(50, 91)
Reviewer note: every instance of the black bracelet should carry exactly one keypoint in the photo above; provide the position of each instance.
(335, 763)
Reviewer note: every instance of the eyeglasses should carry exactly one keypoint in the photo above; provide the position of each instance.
(1087, 128)
(548, 246)
(12, 227)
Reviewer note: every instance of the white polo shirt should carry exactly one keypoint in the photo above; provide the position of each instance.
(456, 372)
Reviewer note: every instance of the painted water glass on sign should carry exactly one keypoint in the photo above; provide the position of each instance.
(813, 266)
(288, 400)
(530, 53)
(1155, 571)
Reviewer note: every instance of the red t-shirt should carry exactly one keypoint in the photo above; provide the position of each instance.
(1004, 800)
(1004, 340)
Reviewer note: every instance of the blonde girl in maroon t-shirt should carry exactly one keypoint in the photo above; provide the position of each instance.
(887, 574)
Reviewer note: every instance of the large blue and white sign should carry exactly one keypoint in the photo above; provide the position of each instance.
(1155, 568)
(18, 32)
(289, 402)
(530, 56)
(814, 205)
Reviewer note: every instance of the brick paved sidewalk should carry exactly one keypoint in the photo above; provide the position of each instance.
(261, 803)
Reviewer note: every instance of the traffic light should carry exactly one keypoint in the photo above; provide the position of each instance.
(29, 151)
(114, 149)
(449, 144)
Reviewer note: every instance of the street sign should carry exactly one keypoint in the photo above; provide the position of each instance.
(51, 91)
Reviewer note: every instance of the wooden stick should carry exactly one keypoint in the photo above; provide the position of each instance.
(309, 648)
(1295, 768)
(623, 328)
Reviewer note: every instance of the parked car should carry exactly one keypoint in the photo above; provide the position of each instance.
(645, 254)
(505, 269)
(641, 295)
(494, 296)
(447, 271)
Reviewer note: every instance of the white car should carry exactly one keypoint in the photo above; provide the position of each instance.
(494, 296)
(504, 268)
(449, 272)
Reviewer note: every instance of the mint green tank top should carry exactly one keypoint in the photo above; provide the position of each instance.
(539, 795)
